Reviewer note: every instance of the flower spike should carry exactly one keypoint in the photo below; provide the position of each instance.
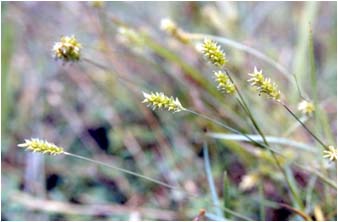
(224, 83)
(307, 108)
(264, 85)
(67, 49)
(213, 53)
(160, 101)
(331, 153)
(170, 27)
(40, 146)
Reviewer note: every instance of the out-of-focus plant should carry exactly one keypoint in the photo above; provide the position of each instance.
(235, 113)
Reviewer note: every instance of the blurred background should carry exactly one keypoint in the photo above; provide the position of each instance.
(89, 111)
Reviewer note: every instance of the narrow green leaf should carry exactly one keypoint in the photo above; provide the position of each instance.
(7, 38)
(270, 139)
(261, 200)
(226, 195)
(299, 64)
(321, 119)
(210, 178)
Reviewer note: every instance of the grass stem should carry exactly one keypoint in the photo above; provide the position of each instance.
(247, 110)
(238, 215)
(303, 125)
(124, 171)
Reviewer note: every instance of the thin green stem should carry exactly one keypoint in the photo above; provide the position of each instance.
(309, 190)
(211, 182)
(127, 82)
(303, 125)
(298, 87)
(124, 171)
(226, 127)
(226, 196)
(255, 137)
(261, 197)
(270, 139)
(294, 194)
(247, 110)
(157, 182)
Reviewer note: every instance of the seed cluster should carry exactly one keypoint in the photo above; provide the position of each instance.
(264, 85)
(307, 108)
(40, 146)
(213, 53)
(67, 49)
(160, 101)
(224, 83)
(170, 27)
(331, 153)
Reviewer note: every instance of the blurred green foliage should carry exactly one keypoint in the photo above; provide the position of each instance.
(90, 112)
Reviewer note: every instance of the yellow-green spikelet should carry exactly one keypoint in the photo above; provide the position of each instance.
(67, 49)
(40, 146)
(213, 53)
(224, 82)
(264, 85)
(160, 101)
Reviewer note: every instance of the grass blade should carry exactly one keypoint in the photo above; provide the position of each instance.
(270, 139)
(226, 195)
(210, 179)
(299, 65)
(320, 116)
(261, 198)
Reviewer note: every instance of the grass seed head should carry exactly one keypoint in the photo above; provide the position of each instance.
(160, 101)
(331, 153)
(213, 53)
(67, 49)
(264, 85)
(40, 146)
(97, 4)
(224, 83)
(170, 27)
(307, 108)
